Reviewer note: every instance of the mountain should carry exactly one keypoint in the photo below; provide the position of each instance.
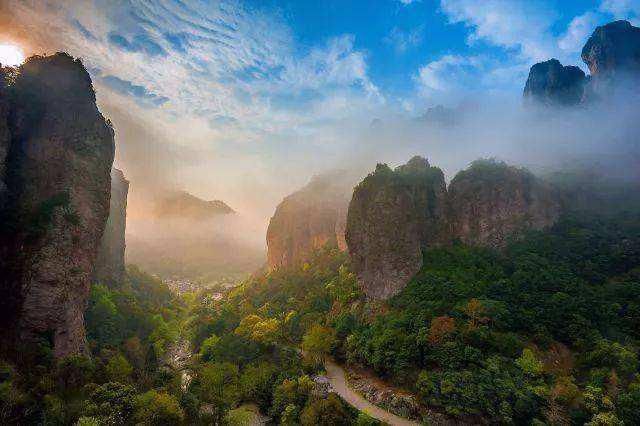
(612, 54)
(392, 217)
(308, 219)
(57, 180)
(551, 83)
(181, 204)
(110, 265)
(176, 235)
(491, 202)
(395, 216)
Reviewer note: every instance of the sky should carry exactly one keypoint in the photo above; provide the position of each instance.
(245, 100)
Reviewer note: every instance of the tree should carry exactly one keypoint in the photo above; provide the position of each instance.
(440, 328)
(111, 403)
(118, 369)
(475, 311)
(256, 383)
(319, 341)
(290, 396)
(529, 364)
(218, 385)
(207, 347)
(327, 411)
(261, 330)
(157, 409)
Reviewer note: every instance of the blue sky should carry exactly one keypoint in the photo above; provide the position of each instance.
(263, 82)
(261, 58)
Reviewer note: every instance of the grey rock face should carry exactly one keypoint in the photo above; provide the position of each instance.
(392, 216)
(396, 215)
(491, 202)
(612, 54)
(550, 83)
(110, 267)
(58, 180)
(613, 48)
(5, 135)
(308, 219)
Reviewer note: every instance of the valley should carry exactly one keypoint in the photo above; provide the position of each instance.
(397, 286)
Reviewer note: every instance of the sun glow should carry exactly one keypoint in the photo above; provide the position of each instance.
(10, 55)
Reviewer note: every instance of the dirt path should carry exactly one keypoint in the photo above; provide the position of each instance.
(336, 377)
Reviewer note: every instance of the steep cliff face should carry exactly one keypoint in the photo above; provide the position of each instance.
(110, 266)
(612, 49)
(58, 183)
(309, 219)
(550, 83)
(5, 134)
(392, 217)
(395, 215)
(491, 202)
(612, 54)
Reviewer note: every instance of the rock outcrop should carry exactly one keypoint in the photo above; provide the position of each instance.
(5, 134)
(550, 83)
(396, 215)
(491, 202)
(612, 49)
(309, 219)
(58, 185)
(393, 216)
(612, 54)
(110, 267)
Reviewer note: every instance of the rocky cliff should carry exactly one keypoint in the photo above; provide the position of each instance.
(5, 134)
(58, 185)
(393, 216)
(110, 268)
(551, 83)
(612, 54)
(491, 202)
(308, 219)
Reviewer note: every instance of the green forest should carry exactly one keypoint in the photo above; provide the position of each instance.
(543, 332)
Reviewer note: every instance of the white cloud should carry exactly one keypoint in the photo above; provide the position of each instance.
(448, 76)
(515, 24)
(621, 8)
(232, 67)
(408, 2)
(579, 30)
(404, 40)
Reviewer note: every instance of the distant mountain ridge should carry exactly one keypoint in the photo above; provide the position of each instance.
(183, 204)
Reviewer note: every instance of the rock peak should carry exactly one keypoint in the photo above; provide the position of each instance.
(415, 165)
(551, 83)
(614, 47)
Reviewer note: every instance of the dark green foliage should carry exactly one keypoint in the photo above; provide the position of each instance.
(546, 330)
(128, 330)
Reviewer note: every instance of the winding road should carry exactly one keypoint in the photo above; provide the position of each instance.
(335, 375)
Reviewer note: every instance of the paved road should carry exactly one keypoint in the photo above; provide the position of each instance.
(335, 374)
